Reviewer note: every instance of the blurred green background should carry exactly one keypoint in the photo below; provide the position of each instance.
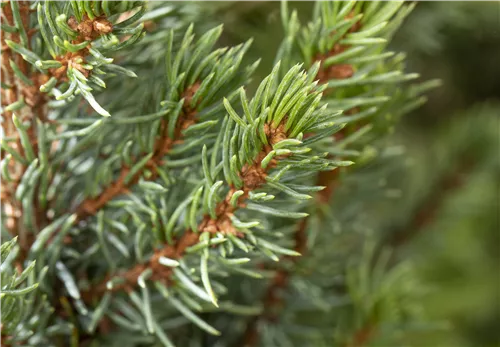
(447, 218)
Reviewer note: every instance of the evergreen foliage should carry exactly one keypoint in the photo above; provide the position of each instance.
(150, 198)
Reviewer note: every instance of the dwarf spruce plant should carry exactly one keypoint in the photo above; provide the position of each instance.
(151, 197)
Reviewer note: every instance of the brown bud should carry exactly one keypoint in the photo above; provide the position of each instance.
(73, 24)
(85, 28)
(340, 71)
(102, 26)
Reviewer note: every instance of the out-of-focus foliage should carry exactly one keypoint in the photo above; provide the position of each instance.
(448, 225)
(458, 42)
(453, 143)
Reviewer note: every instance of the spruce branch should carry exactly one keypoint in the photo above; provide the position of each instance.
(268, 129)
(169, 135)
(20, 95)
(136, 219)
(342, 31)
(327, 179)
(181, 109)
(273, 123)
(163, 144)
(29, 77)
(33, 142)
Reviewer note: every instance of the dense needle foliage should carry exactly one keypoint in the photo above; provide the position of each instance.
(157, 192)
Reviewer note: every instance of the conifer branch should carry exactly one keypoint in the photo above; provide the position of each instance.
(31, 107)
(272, 130)
(186, 120)
(272, 301)
(253, 176)
(162, 146)
(184, 183)
(28, 88)
(335, 67)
